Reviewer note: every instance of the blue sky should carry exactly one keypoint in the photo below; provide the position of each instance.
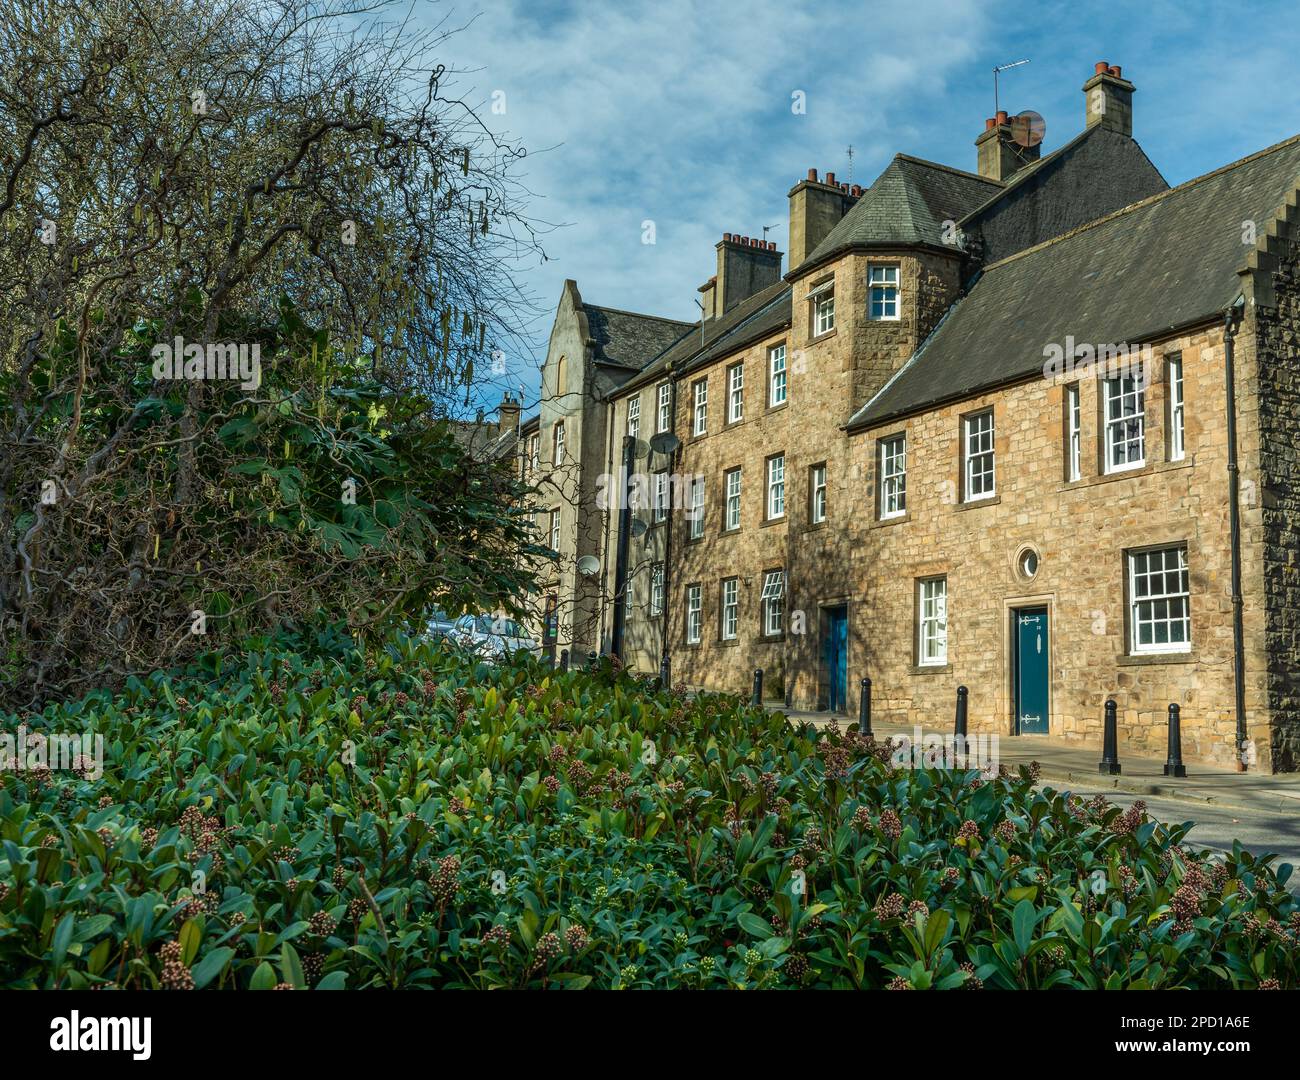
(679, 112)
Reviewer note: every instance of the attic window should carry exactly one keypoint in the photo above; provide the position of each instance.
(821, 301)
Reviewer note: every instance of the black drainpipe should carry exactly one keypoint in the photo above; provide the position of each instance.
(1234, 526)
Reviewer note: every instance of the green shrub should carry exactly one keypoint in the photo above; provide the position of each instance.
(411, 819)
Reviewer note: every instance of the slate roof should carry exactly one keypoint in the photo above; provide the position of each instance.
(1133, 276)
(483, 439)
(907, 205)
(629, 340)
(726, 332)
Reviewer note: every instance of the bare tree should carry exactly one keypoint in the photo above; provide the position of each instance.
(290, 176)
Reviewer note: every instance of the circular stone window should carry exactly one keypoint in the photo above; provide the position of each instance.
(1027, 563)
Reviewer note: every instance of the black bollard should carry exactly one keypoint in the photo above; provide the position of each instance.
(1174, 765)
(564, 659)
(758, 686)
(1109, 765)
(959, 727)
(864, 709)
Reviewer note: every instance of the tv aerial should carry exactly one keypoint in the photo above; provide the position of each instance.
(996, 71)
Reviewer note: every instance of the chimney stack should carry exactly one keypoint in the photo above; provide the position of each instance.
(507, 414)
(815, 209)
(1108, 99)
(746, 265)
(999, 155)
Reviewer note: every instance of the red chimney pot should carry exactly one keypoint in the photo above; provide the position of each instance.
(990, 123)
(1102, 67)
(1002, 116)
(812, 175)
(1116, 71)
(726, 236)
(830, 179)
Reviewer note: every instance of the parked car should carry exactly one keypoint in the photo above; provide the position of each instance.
(440, 624)
(493, 637)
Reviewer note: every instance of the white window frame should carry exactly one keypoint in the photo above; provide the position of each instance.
(817, 496)
(534, 452)
(932, 622)
(979, 450)
(1073, 433)
(823, 313)
(634, 416)
(696, 515)
(777, 387)
(701, 424)
(663, 413)
(662, 497)
(772, 600)
(1153, 604)
(1177, 410)
(733, 500)
(730, 601)
(735, 393)
(893, 476)
(555, 530)
(557, 442)
(883, 293)
(694, 614)
(1124, 392)
(657, 589)
(775, 487)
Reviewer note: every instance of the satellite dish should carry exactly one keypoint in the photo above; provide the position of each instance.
(1027, 128)
(665, 443)
(639, 528)
(589, 566)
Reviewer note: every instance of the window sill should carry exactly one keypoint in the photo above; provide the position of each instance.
(897, 519)
(772, 521)
(690, 644)
(1126, 474)
(729, 532)
(816, 526)
(818, 338)
(930, 669)
(972, 504)
(727, 643)
(1142, 659)
(778, 408)
(771, 639)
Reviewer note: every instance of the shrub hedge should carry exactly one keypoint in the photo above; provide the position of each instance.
(319, 817)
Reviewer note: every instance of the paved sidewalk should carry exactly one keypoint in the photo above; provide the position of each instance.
(1071, 764)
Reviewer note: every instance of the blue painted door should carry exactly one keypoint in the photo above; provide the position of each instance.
(1031, 671)
(836, 646)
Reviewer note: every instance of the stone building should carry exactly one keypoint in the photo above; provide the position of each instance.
(1030, 429)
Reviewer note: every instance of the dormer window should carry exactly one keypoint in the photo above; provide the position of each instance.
(822, 301)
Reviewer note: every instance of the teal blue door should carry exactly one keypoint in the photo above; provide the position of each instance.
(1031, 671)
(835, 646)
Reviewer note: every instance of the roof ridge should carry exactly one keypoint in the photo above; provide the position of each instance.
(948, 168)
(1141, 204)
(637, 314)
